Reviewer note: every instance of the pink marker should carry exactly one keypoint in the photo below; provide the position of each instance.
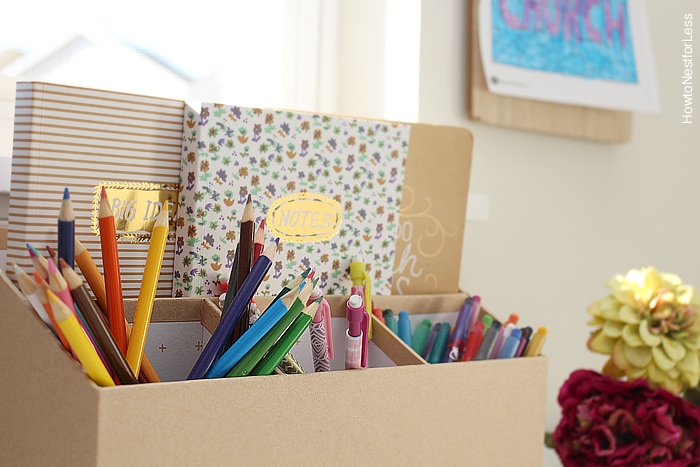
(353, 336)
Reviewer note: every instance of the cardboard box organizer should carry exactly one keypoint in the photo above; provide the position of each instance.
(405, 412)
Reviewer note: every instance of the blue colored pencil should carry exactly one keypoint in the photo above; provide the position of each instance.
(66, 230)
(233, 313)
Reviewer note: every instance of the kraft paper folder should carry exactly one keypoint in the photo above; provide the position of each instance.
(478, 413)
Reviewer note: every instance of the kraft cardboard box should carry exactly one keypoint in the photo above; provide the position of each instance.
(471, 413)
(474, 413)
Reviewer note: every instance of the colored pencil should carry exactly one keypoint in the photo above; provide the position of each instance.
(52, 253)
(245, 261)
(238, 305)
(232, 281)
(95, 321)
(243, 346)
(66, 230)
(259, 241)
(97, 285)
(92, 276)
(147, 293)
(31, 291)
(110, 263)
(250, 360)
(79, 342)
(39, 262)
(42, 288)
(284, 345)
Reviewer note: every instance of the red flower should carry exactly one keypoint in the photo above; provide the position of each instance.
(608, 422)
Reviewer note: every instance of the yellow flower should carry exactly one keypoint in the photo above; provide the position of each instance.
(649, 326)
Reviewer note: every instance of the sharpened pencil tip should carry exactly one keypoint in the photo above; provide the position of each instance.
(66, 193)
(103, 193)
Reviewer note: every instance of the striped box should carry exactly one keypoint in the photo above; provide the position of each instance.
(78, 138)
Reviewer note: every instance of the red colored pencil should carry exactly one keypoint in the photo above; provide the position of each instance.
(110, 264)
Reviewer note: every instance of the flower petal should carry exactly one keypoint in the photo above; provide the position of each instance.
(655, 373)
(674, 349)
(636, 373)
(691, 378)
(599, 342)
(630, 333)
(611, 369)
(628, 314)
(648, 338)
(613, 329)
(637, 356)
(661, 359)
(692, 341)
(618, 356)
(690, 363)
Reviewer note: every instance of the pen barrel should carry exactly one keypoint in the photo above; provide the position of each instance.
(353, 351)
(319, 347)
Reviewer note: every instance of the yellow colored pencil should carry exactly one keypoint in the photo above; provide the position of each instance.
(79, 342)
(147, 293)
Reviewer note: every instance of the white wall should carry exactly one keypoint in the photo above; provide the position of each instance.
(565, 215)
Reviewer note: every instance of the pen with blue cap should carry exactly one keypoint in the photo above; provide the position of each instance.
(404, 328)
(510, 344)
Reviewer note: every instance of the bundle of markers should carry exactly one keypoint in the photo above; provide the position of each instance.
(470, 338)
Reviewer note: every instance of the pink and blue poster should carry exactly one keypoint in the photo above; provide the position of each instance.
(595, 53)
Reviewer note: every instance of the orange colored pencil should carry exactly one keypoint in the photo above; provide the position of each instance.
(92, 276)
(110, 263)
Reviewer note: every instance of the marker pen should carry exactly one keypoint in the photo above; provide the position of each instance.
(378, 313)
(505, 331)
(404, 326)
(455, 346)
(390, 320)
(489, 340)
(476, 311)
(420, 337)
(524, 340)
(510, 344)
(534, 348)
(353, 336)
(487, 320)
(476, 336)
(440, 344)
(431, 341)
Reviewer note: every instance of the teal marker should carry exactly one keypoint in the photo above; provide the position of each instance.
(440, 344)
(390, 320)
(405, 327)
(420, 337)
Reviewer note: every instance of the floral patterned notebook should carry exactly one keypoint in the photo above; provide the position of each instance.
(283, 159)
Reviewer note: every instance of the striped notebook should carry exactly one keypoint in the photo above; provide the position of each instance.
(80, 138)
